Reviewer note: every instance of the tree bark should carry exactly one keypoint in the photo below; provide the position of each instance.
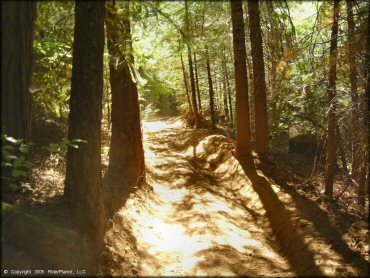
(259, 83)
(17, 26)
(193, 91)
(191, 70)
(226, 105)
(186, 86)
(215, 93)
(354, 96)
(211, 93)
(243, 138)
(341, 151)
(228, 91)
(83, 184)
(197, 84)
(365, 169)
(107, 99)
(126, 154)
(331, 91)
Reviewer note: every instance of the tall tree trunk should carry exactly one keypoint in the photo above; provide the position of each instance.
(191, 70)
(332, 145)
(108, 101)
(17, 26)
(226, 105)
(354, 96)
(83, 184)
(228, 91)
(197, 84)
(211, 92)
(193, 91)
(126, 154)
(365, 169)
(186, 86)
(217, 96)
(243, 138)
(341, 150)
(259, 83)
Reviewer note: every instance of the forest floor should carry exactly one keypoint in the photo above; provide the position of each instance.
(203, 212)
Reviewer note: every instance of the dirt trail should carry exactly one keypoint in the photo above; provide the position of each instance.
(207, 214)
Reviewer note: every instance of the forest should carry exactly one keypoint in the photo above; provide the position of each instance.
(185, 138)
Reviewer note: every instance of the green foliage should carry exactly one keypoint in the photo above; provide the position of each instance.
(15, 165)
(61, 147)
(52, 59)
(296, 40)
(104, 149)
(158, 98)
(155, 50)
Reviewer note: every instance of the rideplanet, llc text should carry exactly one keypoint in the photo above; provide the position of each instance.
(26, 272)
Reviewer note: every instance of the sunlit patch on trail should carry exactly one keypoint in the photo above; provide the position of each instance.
(172, 196)
(206, 216)
(156, 126)
(188, 216)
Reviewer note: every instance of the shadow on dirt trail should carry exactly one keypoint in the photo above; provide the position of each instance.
(207, 214)
(320, 220)
(289, 238)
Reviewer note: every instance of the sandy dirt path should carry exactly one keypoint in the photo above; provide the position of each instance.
(203, 215)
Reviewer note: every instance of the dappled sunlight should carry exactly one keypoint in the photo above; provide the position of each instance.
(156, 126)
(188, 215)
(186, 138)
(175, 195)
(321, 250)
(209, 214)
